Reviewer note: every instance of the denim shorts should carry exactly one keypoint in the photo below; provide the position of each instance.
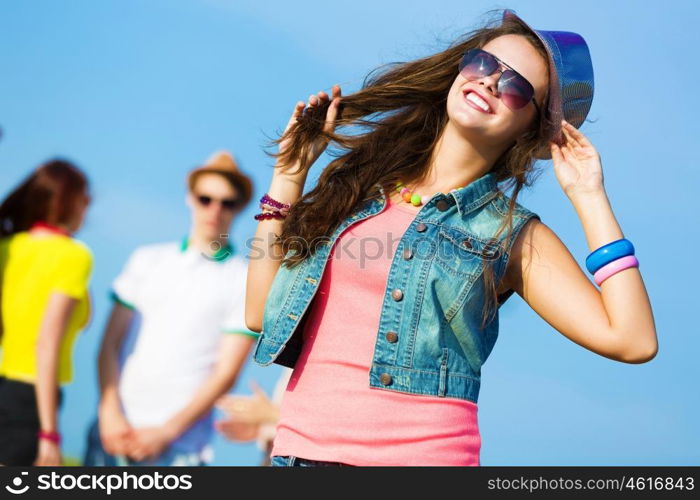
(292, 461)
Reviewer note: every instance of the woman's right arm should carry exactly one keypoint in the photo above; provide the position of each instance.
(287, 186)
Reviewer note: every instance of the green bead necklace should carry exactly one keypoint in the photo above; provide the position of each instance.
(414, 198)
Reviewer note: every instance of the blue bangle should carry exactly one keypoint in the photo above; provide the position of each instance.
(608, 253)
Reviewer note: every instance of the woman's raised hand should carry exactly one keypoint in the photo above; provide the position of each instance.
(577, 163)
(315, 100)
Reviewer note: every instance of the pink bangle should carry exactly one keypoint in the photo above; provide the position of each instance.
(615, 267)
(52, 436)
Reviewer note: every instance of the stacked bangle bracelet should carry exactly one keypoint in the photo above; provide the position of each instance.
(610, 259)
(272, 209)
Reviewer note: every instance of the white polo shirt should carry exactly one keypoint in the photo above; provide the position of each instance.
(186, 301)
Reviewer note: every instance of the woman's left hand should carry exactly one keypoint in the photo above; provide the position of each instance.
(577, 163)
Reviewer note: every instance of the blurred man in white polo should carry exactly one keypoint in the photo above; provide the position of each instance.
(191, 340)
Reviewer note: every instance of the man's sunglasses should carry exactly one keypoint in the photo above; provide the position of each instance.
(227, 203)
(514, 88)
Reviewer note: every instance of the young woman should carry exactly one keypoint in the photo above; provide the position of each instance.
(45, 303)
(387, 358)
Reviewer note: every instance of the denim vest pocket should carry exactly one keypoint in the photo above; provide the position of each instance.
(461, 253)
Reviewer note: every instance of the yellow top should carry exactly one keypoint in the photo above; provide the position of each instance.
(32, 267)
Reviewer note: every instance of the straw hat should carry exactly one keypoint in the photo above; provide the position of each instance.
(222, 162)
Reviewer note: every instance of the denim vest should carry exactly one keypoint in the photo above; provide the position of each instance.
(429, 339)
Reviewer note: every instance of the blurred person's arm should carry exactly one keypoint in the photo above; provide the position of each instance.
(247, 417)
(69, 287)
(287, 186)
(114, 427)
(232, 354)
(51, 333)
(254, 417)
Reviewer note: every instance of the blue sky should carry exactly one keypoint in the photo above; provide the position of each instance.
(138, 92)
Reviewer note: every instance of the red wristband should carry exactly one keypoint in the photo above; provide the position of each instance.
(52, 436)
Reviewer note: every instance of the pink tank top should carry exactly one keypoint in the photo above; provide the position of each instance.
(328, 410)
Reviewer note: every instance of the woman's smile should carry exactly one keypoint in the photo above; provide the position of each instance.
(476, 101)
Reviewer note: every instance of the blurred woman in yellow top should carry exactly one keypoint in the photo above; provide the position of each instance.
(44, 276)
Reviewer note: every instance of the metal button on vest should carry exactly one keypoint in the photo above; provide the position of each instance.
(385, 378)
(396, 294)
(392, 337)
(467, 243)
(442, 205)
(421, 227)
(407, 253)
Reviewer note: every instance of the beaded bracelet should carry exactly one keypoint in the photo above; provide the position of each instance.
(268, 215)
(615, 267)
(272, 209)
(271, 201)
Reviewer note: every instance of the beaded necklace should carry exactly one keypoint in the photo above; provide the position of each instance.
(415, 199)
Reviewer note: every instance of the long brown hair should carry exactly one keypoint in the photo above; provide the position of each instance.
(398, 117)
(48, 194)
